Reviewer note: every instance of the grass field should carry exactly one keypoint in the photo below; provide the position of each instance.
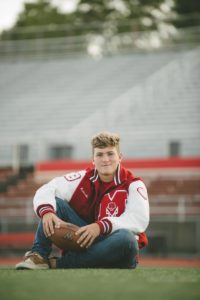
(84, 284)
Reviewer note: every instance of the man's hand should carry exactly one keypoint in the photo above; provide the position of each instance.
(88, 234)
(50, 220)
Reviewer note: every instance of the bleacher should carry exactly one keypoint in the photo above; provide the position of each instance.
(163, 107)
(143, 96)
(71, 89)
(5, 173)
(167, 181)
(175, 187)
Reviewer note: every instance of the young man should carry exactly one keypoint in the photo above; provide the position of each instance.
(108, 203)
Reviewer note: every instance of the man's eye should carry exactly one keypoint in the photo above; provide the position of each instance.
(110, 154)
(99, 154)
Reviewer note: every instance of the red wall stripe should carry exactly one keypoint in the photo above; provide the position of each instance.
(59, 165)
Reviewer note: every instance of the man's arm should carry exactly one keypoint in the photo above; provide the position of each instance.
(62, 187)
(44, 201)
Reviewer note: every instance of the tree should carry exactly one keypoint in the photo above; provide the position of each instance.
(187, 7)
(35, 17)
(112, 20)
(188, 13)
(42, 19)
(125, 15)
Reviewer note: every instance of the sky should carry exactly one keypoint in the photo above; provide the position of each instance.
(9, 9)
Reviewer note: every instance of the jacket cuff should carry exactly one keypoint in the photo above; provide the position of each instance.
(44, 209)
(105, 226)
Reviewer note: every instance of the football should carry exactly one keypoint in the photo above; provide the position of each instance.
(64, 237)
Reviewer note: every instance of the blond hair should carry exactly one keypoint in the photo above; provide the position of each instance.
(105, 139)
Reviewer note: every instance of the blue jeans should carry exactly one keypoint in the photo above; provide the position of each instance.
(117, 250)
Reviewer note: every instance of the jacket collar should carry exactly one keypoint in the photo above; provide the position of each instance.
(121, 174)
(117, 177)
(94, 176)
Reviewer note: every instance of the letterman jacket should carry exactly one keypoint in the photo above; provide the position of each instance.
(122, 203)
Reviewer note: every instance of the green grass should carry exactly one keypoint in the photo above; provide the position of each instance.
(85, 284)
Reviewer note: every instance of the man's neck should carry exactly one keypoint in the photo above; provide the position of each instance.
(106, 178)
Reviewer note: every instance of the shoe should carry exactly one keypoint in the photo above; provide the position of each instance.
(33, 261)
(52, 262)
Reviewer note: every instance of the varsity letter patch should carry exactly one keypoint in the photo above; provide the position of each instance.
(113, 204)
(72, 176)
(142, 192)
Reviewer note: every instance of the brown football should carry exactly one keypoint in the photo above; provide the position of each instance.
(64, 237)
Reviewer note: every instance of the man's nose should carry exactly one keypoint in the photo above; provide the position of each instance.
(105, 158)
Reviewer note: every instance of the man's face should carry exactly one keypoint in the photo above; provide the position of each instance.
(106, 161)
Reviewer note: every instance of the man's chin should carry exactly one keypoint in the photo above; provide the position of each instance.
(106, 173)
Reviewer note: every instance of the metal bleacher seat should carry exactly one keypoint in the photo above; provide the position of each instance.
(160, 107)
(143, 96)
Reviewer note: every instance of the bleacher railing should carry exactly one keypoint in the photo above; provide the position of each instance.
(164, 207)
(96, 44)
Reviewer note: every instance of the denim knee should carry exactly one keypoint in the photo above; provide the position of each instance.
(60, 202)
(65, 212)
(127, 245)
(128, 241)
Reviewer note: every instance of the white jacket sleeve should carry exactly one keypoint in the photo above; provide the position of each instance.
(136, 214)
(62, 187)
